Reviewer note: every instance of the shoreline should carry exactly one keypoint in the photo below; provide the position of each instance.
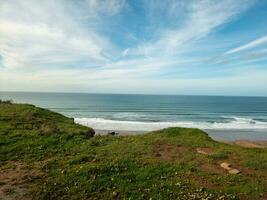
(250, 143)
(216, 134)
(239, 130)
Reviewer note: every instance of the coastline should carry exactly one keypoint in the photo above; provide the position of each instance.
(231, 131)
(218, 135)
(66, 160)
(249, 143)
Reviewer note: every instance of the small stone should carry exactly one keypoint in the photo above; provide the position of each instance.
(226, 166)
(113, 133)
(234, 171)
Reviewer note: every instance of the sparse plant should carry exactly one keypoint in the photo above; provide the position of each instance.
(8, 101)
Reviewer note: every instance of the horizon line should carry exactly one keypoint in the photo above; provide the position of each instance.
(144, 94)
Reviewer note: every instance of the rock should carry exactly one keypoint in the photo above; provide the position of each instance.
(113, 133)
(234, 171)
(90, 133)
(226, 166)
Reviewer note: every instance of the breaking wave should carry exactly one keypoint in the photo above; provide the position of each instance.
(233, 123)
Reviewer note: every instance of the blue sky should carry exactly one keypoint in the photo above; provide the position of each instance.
(197, 47)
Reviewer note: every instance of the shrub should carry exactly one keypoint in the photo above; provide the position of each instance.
(8, 101)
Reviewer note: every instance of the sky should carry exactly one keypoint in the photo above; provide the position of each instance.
(192, 47)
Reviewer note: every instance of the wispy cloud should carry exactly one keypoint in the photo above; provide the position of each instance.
(250, 45)
(113, 43)
(34, 33)
(203, 18)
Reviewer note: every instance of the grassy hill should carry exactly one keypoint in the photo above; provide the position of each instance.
(45, 155)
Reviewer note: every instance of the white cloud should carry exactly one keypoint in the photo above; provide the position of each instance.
(57, 45)
(252, 44)
(203, 17)
(50, 32)
(34, 32)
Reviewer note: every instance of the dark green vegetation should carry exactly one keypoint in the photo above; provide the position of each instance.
(44, 155)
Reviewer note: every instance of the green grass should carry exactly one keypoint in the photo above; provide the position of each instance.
(159, 165)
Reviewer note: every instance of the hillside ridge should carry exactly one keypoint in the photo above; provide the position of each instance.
(45, 155)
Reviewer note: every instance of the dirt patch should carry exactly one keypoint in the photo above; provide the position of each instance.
(15, 180)
(235, 163)
(202, 181)
(212, 169)
(262, 143)
(169, 152)
(263, 196)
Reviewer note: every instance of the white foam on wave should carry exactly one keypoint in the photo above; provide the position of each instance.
(106, 124)
(128, 115)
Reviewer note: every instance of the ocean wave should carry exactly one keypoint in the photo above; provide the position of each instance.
(130, 116)
(107, 124)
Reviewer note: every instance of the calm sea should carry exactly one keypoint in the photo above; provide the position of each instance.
(222, 117)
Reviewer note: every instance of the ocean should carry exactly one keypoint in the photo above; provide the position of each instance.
(223, 117)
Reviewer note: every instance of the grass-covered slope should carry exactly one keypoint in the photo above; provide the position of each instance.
(44, 155)
(28, 119)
